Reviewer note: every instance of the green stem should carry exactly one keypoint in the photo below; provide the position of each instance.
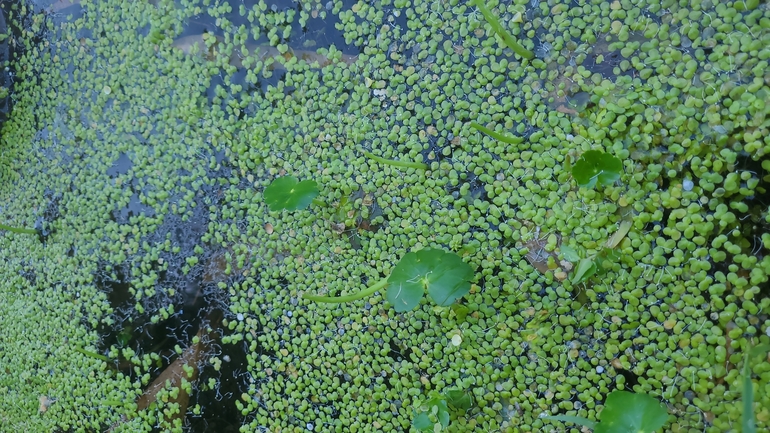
(402, 164)
(18, 230)
(91, 354)
(348, 298)
(498, 28)
(496, 135)
(318, 202)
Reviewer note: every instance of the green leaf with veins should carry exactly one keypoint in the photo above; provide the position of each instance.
(594, 167)
(444, 275)
(290, 194)
(627, 412)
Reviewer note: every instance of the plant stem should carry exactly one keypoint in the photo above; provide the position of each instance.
(318, 202)
(402, 164)
(91, 354)
(497, 136)
(18, 230)
(348, 298)
(498, 28)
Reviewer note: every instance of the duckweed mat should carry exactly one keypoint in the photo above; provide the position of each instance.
(162, 294)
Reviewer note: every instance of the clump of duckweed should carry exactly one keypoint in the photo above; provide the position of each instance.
(156, 120)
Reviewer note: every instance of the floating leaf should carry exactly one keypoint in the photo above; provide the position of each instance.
(436, 406)
(623, 228)
(627, 412)
(624, 412)
(444, 275)
(290, 194)
(585, 269)
(422, 422)
(594, 167)
(569, 253)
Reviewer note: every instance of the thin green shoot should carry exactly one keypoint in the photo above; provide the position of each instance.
(394, 163)
(748, 423)
(18, 230)
(504, 35)
(348, 298)
(496, 135)
(91, 354)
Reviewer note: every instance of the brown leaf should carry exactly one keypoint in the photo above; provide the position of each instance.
(45, 403)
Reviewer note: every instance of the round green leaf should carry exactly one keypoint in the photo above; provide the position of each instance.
(444, 275)
(288, 193)
(594, 167)
(626, 412)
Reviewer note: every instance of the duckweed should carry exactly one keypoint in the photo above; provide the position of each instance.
(158, 124)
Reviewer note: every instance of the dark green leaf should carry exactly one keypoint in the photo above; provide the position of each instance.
(290, 194)
(594, 167)
(444, 275)
(626, 412)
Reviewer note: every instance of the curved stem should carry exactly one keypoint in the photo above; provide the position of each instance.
(498, 28)
(18, 230)
(402, 164)
(496, 135)
(348, 298)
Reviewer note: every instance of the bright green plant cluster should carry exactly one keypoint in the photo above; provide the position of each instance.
(442, 275)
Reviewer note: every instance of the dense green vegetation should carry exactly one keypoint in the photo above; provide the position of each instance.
(174, 291)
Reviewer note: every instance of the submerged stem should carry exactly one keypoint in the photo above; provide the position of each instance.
(18, 230)
(348, 298)
(498, 28)
(393, 162)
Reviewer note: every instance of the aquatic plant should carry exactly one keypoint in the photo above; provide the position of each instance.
(596, 167)
(441, 274)
(500, 30)
(624, 412)
(432, 415)
(288, 193)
